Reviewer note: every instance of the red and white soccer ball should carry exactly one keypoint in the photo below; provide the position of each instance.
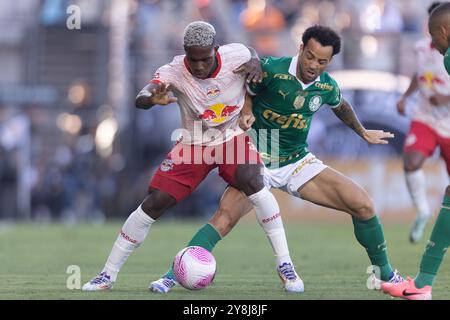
(194, 267)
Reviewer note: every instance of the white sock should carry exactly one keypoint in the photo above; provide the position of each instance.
(268, 215)
(132, 234)
(417, 189)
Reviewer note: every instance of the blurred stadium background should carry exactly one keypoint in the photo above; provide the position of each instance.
(74, 149)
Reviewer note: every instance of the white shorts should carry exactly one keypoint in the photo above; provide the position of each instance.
(292, 176)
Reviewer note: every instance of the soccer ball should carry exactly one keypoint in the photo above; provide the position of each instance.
(194, 267)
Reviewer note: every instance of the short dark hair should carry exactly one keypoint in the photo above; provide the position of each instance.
(440, 12)
(324, 35)
(433, 6)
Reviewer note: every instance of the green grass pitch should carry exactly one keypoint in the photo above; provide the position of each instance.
(34, 260)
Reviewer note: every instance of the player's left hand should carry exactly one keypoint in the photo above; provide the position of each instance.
(377, 136)
(251, 70)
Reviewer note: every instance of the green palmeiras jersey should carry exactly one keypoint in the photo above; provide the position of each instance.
(447, 61)
(284, 106)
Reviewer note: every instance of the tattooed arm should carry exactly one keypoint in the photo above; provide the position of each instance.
(347, 115)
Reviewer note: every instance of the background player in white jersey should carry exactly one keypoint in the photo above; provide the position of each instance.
(210, 95)
(420, 288)
(430, 126)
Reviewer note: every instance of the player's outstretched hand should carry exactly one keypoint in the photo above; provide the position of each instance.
(377, 136)
(251, 70)
(160, 95)
(246, 121)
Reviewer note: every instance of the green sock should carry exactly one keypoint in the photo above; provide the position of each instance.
(369, 234)
(207, 237)
(436, 247)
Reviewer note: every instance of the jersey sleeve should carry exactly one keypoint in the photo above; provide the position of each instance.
(334, 98)
(254, 88)
(237, 53)
(166, 74)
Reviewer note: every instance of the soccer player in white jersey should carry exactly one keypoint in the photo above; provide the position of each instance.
(430, 126)
(210, 94)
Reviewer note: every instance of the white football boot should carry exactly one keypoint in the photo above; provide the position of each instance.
(162, 285)
(290, 278)
(101, 282)
(376, 284)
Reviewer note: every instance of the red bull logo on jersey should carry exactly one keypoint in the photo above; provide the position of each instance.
(212, 91)
(430, 79)
(218, 113)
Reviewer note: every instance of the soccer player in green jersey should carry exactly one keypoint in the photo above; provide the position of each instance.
(420, 287)
(292, 90)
